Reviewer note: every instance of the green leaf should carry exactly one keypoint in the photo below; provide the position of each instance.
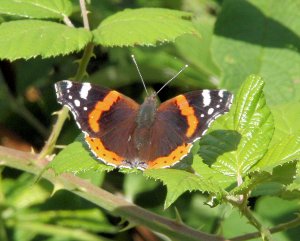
(145, 26)
(252, 37)
(23, 192)
(260, 37)
(237, 143)
(277, 168)
(136, 183)
(178, 182)
(266, 183)
(30, 38)
(292, 191)
(196, 51)
(275, 211)
(211, 174)
(235, 224)
(287, 118)
(284, 151)
(36, 8)
(76, 159)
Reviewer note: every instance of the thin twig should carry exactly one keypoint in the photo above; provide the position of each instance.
(239, 183)
(50, 144)
(63, 113)
(245, 210)
(84, 14)
(280, 227)
(68, 22)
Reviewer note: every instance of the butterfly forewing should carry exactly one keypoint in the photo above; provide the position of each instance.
(105, 116)
(80, 98)
(208, 105)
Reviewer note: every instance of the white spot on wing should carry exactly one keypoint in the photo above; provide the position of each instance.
(85, 108)
(69, 83)
(85, 90)
(202, 115)
(221, 94)
(77, 103)
(210, 111)
(206, 97)
(70, 97)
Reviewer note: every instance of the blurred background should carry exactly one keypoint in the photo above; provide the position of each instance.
(27, 101)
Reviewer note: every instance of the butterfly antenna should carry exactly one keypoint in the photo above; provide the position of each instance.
(172, 79)
(137, 67)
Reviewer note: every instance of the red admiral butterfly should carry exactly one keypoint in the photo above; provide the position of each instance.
(122, 133)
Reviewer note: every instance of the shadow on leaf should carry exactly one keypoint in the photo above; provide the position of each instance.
(216, 143)
(249, 24)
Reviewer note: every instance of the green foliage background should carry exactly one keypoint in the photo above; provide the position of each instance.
(248, 47)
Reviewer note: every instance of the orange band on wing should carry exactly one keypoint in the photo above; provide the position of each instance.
(189, 113)
(171, 159)
(102, 153)
(100, 107)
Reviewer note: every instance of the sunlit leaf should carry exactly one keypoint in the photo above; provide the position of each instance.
(145, 26)
(30, 38)
(76, 158)
(284, 151)
(233, 146)
(253, 38)
(36, 8)
(178, 182)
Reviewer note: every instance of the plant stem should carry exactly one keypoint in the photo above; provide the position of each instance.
(80, 74)
(63, 113)
(50, 144)
(68, 22)
(264, 232)
(245, 210)
(281, 227)
(84, 14)
(28, 162)
(87, 54)
(115, 205)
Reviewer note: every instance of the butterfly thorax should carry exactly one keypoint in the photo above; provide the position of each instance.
(146, 113)
(145, 119)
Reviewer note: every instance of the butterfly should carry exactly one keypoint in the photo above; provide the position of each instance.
(123, 133)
